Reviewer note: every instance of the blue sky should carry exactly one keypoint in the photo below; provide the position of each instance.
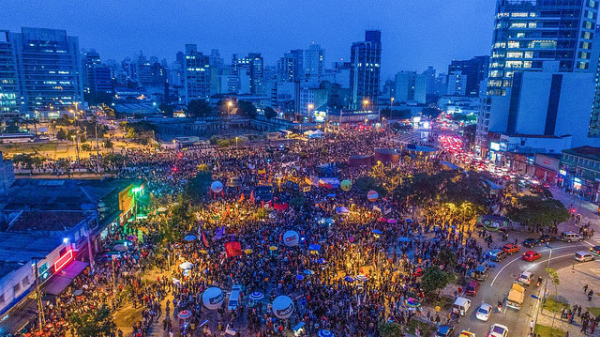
(415, 33)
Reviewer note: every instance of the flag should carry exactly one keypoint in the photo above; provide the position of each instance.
(233, 249)
(242, 197)
(262, 171)
(281, 207)
(204, 240)
(323, 183)
(252, 196)
(220, 233)
(230, 331)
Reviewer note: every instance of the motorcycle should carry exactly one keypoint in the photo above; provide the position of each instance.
(539, 281)
(499, 306)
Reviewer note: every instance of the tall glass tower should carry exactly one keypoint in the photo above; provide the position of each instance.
(365, 71)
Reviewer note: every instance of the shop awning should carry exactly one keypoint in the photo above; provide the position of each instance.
(59, 282)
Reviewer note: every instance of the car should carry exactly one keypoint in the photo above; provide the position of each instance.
(444, 331)
(472, 288)
(484, 312)
(510, 248)
(525, 278)
(496, 255)
(545, 238)
(531, 255)
(498, 330)
(571, 236)
(466, 333)
(595, 250)
(584, 257)
(531, 242)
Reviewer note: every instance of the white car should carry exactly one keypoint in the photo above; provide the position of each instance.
(484, 312)
(498, 330)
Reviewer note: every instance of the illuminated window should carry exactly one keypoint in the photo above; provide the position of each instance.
(533, 25)
(519, 15)
(513, 44)
(514, 55)
(514, 64)
(527, 64)
(518, 25)
(528, 54)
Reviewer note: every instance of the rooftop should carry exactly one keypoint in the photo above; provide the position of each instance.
(23, 247)
(588, 152)
(8, 267)
(48, 221)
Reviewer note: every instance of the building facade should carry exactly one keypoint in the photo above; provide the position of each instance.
(314, 61)
(366, 68)
(475, 69)
(9, 86)
(197, 74)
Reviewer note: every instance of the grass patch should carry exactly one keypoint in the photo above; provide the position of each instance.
(547, 331)
(554, 305)
(445, 303)
(28, 147)
(424, 328)
(594, 311)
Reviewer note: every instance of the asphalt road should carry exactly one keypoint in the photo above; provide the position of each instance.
(501, 278)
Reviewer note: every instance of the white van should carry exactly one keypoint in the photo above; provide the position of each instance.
(571, 237)
(461, 306)
(233, 301)
(584, 256)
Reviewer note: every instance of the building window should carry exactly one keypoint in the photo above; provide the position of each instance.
(1, 299)
(25, 282)
(16, 288)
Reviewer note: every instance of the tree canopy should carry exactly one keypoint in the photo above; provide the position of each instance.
(247, 109)
(538, 211)
(433, 279)
(93, 323)
(270, 112)
(198, 108)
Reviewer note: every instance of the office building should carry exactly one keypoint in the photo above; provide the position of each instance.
(9, 87)
(529, 34)
(48, 69)
(290, 67)
(410, 87)
(97, 78)
(314, 61)
(457, 84)
(365, 71)
(197, 74)
(252, 68)
(475, 69)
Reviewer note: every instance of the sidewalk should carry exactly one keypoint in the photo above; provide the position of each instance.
(570, 290)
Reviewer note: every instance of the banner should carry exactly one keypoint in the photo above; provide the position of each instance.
(281, 207)
(220, 233)
(233, 249)
(204, 240)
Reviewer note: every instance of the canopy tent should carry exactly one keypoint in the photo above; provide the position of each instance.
(60, 281)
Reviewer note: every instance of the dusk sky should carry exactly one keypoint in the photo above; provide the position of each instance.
(415, 33)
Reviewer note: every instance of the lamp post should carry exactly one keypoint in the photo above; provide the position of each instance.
(229, 105)
(310, 107)
(365, 104)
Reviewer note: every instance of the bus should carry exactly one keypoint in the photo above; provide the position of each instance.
(17, 138)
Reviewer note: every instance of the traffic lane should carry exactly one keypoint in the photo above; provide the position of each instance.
(506, 273)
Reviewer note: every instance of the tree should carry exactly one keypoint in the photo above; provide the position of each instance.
(93, 323)
(390, 329)
(553, 277)
(447, 258)
(28, 160)
(167, 109)
(61, 134)
(86, 147)
(537, 211)
(247, 109)
(433, 279)
(366, 183)
(197, 188)
(270, 113)
(198, 108)
(107, 143)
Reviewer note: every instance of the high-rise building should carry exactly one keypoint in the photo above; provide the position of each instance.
(532, 35)
(251, 66)
(48, 70)
(314, 61)
(410, 87)
(475, 69)
(96, 77)
(366, 67)
(197, 74)
(298, 57)
(527, 33)
(9, 87)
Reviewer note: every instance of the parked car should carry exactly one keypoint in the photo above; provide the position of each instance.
(584, 256)
(525, 278)
(496, 255)
(531, 242)
(531, 255)
(484, 312)
(595, 250)
(444, 331)
(472, 288)
(510, 248)
(480, 273)
(545, 238)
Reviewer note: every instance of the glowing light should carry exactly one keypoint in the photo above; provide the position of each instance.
(63, 261)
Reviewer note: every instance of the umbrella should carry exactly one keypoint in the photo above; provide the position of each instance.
(273, 248)
(186, 265)
(382, 219)
(392, 221)
(248, 251)
(325, 333)
(362, 278)
(408, 220)
(413, 302)
(321, 261)
(120, 247)
(256, 296)
(190, 237)
(78, 292)
(308, 272)
(185, 314)
(314, 247)
(203, 251)
(349, 279)
(404, 239)
(299, 277)
(377, 231)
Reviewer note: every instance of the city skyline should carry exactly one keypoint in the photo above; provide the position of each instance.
(117, 31)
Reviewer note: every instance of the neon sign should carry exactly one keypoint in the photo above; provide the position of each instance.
(63, 261)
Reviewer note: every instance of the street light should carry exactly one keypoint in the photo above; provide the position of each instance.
(310, 107)
(229, 105)
(365, 103)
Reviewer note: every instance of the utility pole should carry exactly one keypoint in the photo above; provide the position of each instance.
(41, 318)
(97, 150)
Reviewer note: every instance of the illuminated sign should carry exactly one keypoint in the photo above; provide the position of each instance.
(63, 261)
(562, 172)
(577, 180)
(495, 146)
